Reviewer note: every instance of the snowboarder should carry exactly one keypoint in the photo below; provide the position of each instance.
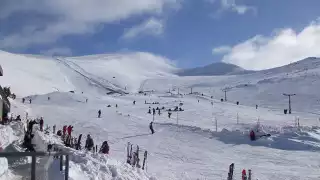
(104, 148)
(23, 100)
(89, 143)
(64, 130)
(151, 127)
(54, 129)
(69, 129)
(41, 124)
(99, 113)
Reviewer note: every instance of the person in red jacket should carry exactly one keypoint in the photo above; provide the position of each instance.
(70, 130)
(64, 130)
(41, 124)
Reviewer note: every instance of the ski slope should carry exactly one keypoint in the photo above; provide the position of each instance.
(189, 145)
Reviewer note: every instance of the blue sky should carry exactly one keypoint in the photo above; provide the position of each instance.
(255, 34)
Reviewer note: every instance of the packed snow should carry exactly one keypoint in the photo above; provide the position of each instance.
(197, 143)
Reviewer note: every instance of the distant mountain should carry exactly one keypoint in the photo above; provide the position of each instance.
(214, 69)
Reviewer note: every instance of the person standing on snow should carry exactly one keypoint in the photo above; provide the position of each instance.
(41, 124)
(64, 130)
(30, 101)
(54, 129)
(151, 127)
(134, 102)
(89, 143)
(99, 113)
(252, 135)
(154, 111)
(69, 130)
(30, 126)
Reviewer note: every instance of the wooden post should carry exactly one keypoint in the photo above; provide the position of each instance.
(33, 167)
(61, 163)
(216, 124)
(66, 171)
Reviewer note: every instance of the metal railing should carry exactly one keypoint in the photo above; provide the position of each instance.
(34, 156)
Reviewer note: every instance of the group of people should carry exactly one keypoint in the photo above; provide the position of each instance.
(73, 142)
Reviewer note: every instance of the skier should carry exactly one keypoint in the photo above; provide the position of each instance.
(48, 98)
(153, 111)
(69, 129)
(30, 101)
(86, 100)
(159, 112)
(149, 111)
(104, 148)
(252, 135)
(116, 105)
(151, 127)
(89, 143)
(134, 102)
(23, 100)
(41, 124)
(64, 130)
(99, 113)
(145, 101)
(169, 114)
(256, 106)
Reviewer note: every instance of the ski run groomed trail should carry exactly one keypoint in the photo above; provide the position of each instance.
(199, 142)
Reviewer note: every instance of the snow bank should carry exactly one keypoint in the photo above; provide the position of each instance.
(8, 134)
(88, 166)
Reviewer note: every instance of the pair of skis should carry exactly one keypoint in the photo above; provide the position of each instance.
(244, 173)
(133, 157)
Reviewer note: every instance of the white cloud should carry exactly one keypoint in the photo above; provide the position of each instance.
(74, 17)
(231, 5)
(281, 48)
(60, 51)
(151, 26)
(221, 50)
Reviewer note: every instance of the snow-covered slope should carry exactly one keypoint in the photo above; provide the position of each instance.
(214, 69)
(197, 143)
